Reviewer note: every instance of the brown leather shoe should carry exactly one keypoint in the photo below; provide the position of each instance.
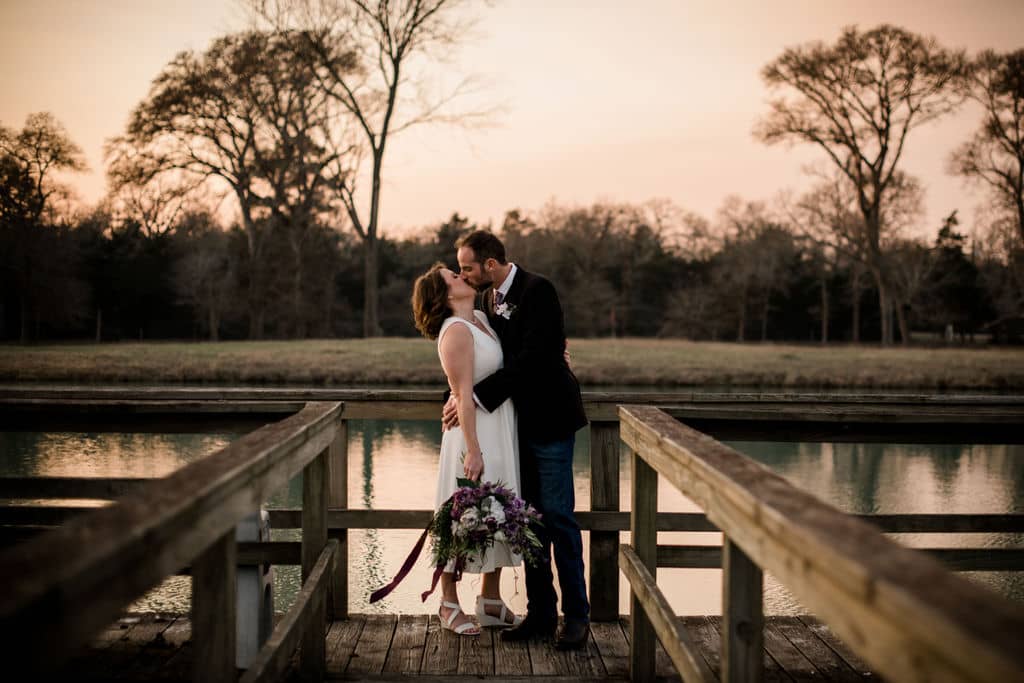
(531, 627)
(573, 635)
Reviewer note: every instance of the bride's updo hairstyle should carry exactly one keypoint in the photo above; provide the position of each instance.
(430, 301)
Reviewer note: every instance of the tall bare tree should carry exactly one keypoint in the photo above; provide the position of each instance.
(239, 114)
(395, 42)
(40, 150)
(827, 216)
(994, 157)
(35, 250)
(858, 100)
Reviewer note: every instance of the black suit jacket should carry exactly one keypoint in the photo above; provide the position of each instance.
(535, 375)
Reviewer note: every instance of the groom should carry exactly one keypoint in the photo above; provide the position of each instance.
(524, 310)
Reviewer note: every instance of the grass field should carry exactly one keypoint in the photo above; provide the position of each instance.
(636, 362)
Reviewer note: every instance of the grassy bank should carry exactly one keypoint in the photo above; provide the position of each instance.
(646, 362)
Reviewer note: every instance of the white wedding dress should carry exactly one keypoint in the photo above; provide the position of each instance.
(496, 432)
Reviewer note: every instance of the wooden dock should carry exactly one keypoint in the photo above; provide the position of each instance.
(387, 647)
(899, 609)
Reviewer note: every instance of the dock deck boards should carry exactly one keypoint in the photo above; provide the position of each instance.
(390, 647)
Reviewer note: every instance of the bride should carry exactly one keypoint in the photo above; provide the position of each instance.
(484, 446)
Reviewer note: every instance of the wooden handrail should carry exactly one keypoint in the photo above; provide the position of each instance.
(939, 410)
(678, 645)
(272, 661)
(63, 586)
(589, 520)
(900, 610)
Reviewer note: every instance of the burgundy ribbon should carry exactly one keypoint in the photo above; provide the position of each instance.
(406, 567)
(414, 554)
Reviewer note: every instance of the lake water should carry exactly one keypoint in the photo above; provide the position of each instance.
(392, 465)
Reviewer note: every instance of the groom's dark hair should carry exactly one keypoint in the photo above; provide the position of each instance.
(484, 244)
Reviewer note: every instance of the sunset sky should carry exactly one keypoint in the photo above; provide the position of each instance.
(603, 100)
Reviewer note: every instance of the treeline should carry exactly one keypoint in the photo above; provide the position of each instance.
(621, 270)
(284, 127)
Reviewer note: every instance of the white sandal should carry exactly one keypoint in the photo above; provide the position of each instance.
(462, 629)
(500, 621)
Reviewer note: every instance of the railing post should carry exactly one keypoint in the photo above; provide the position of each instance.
(742, 616)
(312, 657)
(213, 610)
(338, 500)
(604, 545)
(644, 538)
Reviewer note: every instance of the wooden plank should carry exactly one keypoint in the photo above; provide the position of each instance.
(511, 658)
(441, 651)
(476, 654)
(374, 642)
(102, 488)
(790, 659)
(604, 545)
(274, 656)
(899, 609)
(830, 665)
(668, 628)
(179, 632)
(342, 637)
(584, 663)
(612, 647)
(291, 518)
(690, 556)
(140, 649)
(337, 499)
(63, 586)
(406, 653)
(742, 616)
(947, 523)
(825, 634)
(707, 638)
(213, 610)
(314, 538)
(677, 557)
(644, 547)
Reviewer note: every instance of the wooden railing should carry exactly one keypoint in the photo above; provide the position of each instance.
(63, 586)
(798, 417)
(907, 616)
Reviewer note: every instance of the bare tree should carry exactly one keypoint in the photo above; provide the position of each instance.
(41, 149)
(395, 41)
(994, 157)
(204, 272)
(754, 262)
(156, 202)
(243, 113)
(37, 253)
(858, 100)
(828, 218)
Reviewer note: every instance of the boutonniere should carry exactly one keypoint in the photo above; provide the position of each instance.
(505, 309)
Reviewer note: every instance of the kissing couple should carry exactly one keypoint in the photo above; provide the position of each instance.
(512, 417)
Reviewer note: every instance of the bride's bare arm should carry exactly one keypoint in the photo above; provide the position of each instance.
(457, 361)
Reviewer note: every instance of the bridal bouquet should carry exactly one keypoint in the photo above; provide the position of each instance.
(467, 524)
(477, 515)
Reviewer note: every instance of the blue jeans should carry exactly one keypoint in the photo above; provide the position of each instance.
(546, 473)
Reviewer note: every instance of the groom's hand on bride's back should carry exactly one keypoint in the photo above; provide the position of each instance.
(449, 415)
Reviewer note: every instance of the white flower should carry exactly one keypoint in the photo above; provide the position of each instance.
(499, 535)
(470, 519)
(505, 310)
(494, 510)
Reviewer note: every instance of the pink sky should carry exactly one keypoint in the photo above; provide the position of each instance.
(604, 100)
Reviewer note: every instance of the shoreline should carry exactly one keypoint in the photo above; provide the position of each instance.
(630, 364)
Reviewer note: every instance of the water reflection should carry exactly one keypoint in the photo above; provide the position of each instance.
(393, 465)
(907, 478)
